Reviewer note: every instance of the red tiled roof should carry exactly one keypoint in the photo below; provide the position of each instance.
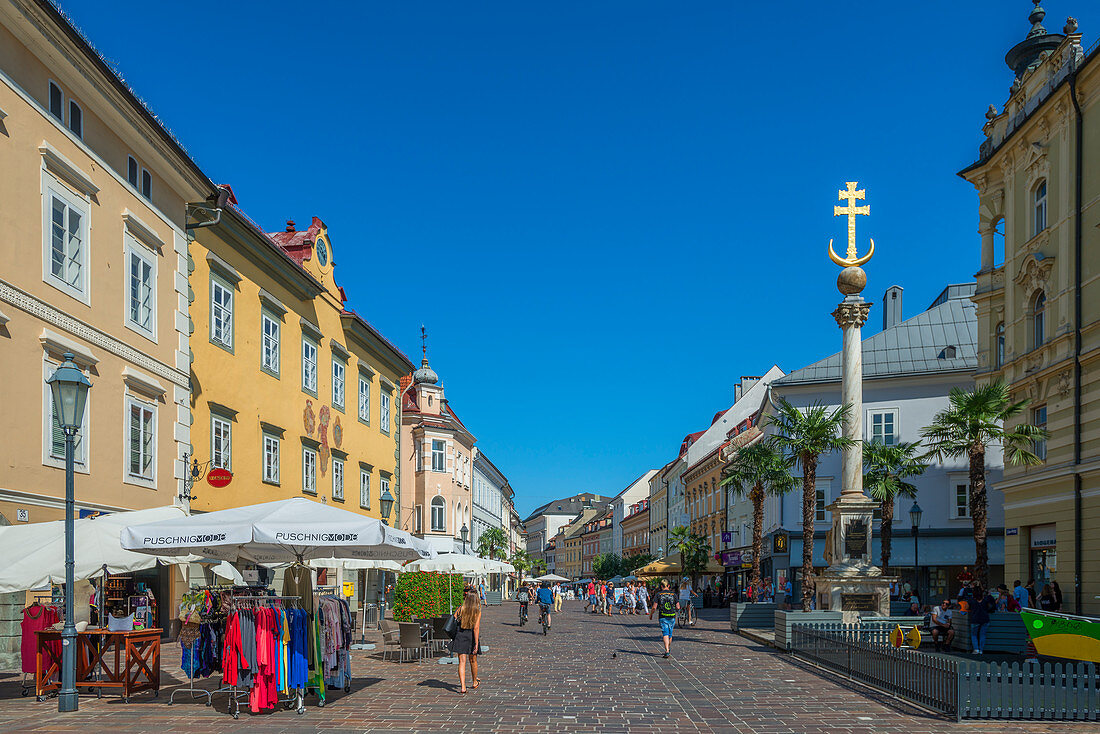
(689, 440)
(298, 243)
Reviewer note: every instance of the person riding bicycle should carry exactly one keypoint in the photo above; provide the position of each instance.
(546, 600)
(523, 596)
(685, 601)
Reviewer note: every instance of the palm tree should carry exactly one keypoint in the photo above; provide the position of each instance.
(974, 420)
(758, 470)
(492, 543)
(887, 469)
(692, 548)
(521, 561)
(804, 436)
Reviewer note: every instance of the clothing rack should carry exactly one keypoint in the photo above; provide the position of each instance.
(296, 699)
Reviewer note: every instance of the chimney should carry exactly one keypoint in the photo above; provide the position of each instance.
(290, 225)
(745, 384)
(891, 307)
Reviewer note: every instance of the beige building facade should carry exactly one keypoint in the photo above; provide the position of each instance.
(1038, 302)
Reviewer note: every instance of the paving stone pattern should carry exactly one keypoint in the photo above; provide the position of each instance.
(590, 674)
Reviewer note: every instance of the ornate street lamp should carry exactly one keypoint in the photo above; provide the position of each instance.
(914, 518)
(464, 531)
(69, 387)
(387, 506)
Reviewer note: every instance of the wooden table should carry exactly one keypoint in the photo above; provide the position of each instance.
(127, 662)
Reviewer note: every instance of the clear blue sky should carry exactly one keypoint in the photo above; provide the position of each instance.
(604, 212)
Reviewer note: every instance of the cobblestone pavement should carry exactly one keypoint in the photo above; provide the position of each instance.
(590, 674)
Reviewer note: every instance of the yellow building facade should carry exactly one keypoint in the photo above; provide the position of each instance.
(292, 392)
(1038, 303)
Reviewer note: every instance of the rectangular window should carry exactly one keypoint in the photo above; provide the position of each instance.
(884, 427)
(364, 489)
(309, 366)
(271, 459)
(821, 492)
(418, 519)
(146, 184)
(141, 313)
(383, 487)
(960, 500)
(142, 441)
(384, 412)
(338, 371)
(132, 171)
(66, 237)
(221, 313)
(1039, 420)
(76, 119)
(221, 443)
(438, 459)
(1040, 218)
(338, 480)
(57, 102)
(364, 399)
(269, 348)
(309, 471)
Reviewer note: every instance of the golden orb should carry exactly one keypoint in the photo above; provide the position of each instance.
(852, 280)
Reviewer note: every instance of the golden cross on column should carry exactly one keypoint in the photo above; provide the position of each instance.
(851, 210)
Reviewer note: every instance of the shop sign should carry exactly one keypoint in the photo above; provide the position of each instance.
(731, 558)
(727, 536)
(746, 557)
(22, 515)
(1043, 536)
(1012, 531)
(85, 512)
(780, 544)
(219, 477)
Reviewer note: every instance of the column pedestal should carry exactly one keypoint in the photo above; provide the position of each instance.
(852, 584)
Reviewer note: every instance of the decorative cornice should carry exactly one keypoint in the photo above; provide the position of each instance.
(852, 313)
(52, 315)
(1035, 273)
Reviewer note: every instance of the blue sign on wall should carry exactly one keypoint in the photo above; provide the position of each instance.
(727, 536)
(85, 512)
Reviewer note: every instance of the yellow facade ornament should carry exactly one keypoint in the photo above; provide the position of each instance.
(851, 210)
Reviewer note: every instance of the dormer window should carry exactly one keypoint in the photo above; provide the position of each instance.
(948, 353)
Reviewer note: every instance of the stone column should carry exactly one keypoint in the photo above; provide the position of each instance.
(850, 316)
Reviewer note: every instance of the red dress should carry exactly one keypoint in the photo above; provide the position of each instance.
(35, 618)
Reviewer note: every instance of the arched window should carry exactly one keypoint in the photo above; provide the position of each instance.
(999, 243)
(1039, 213)
(999, 346)
(439, 514)
(1039, 319)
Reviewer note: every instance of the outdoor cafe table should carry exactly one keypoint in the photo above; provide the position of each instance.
(127, 662)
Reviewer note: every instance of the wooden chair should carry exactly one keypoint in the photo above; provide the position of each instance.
(390, 637)
(410, 640)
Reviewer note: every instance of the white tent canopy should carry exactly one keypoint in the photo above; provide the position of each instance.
(550, 577)
(295, 529)
(34, 554)
(455, 563)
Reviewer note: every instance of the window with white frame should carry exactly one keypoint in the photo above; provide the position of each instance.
(960, 499)
(364, 488)
(221, 443)
(438, 458)
(364, 399)
(55, 436)
(418, 518)
(821, 495)
(1038, 320)
(309, 365)
(1039, 211)
(309, 470)
(76, 119)
(269, 350)
(339, 369)
(133, 171)
(271, 459)
(142, 445)
(384, 412)
(383, 486)
(142, 295)
(66, 230)
(338, 480)
(883, 427)
(146, 184)
(221, 312)
(439, 515)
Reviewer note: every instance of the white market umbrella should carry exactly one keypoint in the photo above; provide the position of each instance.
(551, 577)
(295, 529)
(501, 567)
(34, 554)
(227, 571)
(451, 563)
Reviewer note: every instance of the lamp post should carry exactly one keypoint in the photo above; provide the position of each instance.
(914, 517)
(69, 387)
(386, 501)
(465, 531)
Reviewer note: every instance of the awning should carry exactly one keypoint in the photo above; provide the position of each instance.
(951, 550)
(670, 566)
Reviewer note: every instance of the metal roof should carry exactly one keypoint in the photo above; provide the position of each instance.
(916, 346)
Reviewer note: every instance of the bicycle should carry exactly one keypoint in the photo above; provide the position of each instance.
(544, 618)
(522, 615)
(685, 617)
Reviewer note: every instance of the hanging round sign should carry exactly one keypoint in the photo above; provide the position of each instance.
(219, 477)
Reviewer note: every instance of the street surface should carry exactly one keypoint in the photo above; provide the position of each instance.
(590, 674)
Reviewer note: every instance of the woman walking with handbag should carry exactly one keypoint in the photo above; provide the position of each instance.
(467, 640)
